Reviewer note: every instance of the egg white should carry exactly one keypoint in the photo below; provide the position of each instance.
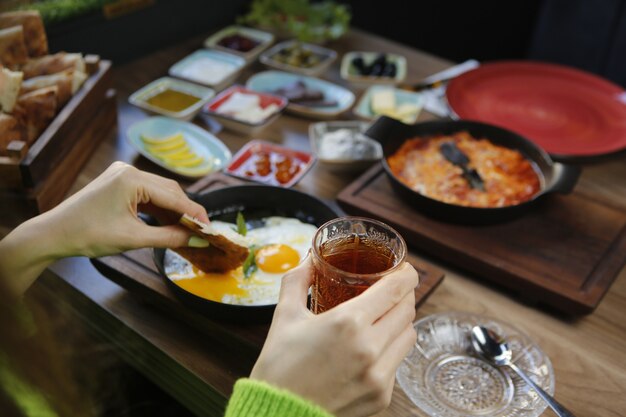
(261, 288)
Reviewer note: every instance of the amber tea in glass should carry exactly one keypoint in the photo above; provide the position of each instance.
(349, 254)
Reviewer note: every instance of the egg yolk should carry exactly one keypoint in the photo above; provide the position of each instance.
(213, 286)
(277, 258)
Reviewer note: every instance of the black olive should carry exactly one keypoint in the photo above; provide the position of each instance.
(378, 65)
(376, 70)
(389, 70)
(380, 59)
(359, 64)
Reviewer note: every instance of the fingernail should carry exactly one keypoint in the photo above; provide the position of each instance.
(197, 242)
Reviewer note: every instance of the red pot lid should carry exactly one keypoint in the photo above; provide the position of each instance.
(568, 112)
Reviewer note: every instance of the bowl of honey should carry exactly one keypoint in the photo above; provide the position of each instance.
(172, 97)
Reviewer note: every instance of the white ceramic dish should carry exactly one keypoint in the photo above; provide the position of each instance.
(239, 125)
(341, 165)
(201, 142)
(363, 109)
(269, 81)
(204, 94)
(327, 57)
(349, 72)
(224, 78)
(248, 153)
(265, 39)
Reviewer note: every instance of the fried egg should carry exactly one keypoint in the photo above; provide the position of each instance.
(278, 246)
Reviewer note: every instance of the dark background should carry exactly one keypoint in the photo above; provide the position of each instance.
(587, 34)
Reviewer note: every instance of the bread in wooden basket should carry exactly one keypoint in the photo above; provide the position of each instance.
(34, 86)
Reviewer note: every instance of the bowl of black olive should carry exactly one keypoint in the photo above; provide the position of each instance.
(367, 68)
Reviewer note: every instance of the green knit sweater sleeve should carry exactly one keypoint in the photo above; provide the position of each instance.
(252, 398)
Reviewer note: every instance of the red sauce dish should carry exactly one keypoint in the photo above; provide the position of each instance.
(270, 164)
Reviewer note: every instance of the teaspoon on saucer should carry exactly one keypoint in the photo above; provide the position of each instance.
(493, 348)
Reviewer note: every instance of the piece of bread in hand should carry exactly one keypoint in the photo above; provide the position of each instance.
(10, 130)
(227, 249)
(12, 47)
(33, 28)
(51, 64)
(10, 85)
(35, 110)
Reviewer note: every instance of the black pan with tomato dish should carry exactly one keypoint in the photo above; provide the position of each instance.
(391, 134)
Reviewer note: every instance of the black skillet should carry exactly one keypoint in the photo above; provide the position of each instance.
(557, 177)
(255, 202)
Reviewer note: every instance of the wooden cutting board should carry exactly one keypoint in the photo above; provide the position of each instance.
(135, 271)
(564, 254)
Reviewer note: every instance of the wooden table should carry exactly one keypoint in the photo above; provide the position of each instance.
(588, 353)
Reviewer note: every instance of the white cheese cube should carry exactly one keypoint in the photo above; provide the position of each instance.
(383, 101)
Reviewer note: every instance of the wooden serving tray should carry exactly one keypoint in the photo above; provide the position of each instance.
(135, 271)
(564, 254)
(62, 136)
(42, 178)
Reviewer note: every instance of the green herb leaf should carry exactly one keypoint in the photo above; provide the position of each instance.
(249, 265)
(242, 229)
(303, 19)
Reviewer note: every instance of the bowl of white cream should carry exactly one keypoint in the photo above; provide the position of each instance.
(341, 146)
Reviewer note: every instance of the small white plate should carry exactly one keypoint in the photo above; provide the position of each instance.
(236, 64)
(265, 39)
(139, 98)
(199, 140)
(363, 108)
(269, 81)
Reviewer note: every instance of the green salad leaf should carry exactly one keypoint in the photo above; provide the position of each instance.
(242, 229)
(249, 265)
(54, 11)
(308, 22)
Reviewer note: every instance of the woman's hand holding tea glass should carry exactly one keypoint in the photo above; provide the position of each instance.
(345, 357)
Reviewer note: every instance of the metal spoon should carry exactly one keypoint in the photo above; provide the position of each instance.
(493, 348)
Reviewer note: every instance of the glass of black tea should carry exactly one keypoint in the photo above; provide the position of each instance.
(349, 254)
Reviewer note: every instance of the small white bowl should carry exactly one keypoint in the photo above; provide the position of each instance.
(349, 73)
(236, 63)
(265, 39)
(204, 94)
(243, 126)
(341, 165)
(327, 57)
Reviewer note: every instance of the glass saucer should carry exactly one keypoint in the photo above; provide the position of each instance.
(445, 378)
